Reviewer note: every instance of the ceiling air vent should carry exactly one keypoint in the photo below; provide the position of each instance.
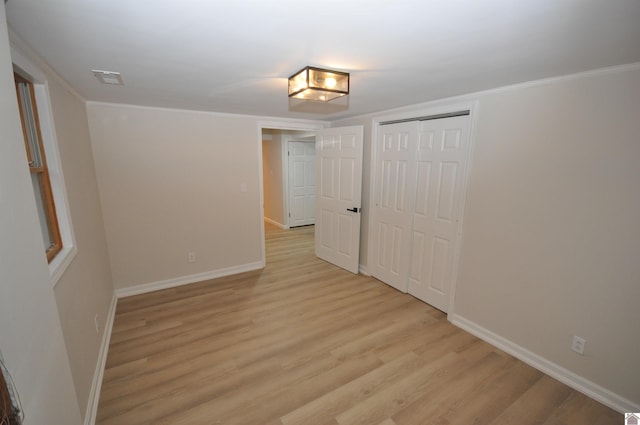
(108, 77)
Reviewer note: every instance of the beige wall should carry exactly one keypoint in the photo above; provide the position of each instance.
(86, 288)
(551, 237)
(31, 337)
(551, 234)
(88, 276)
(170, 183)
(272, 168)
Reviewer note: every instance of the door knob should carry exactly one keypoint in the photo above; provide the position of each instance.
(354, 209)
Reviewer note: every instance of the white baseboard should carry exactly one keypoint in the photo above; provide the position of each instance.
(94, 394)
(554, 370)
(185, 280)
(363, 270)
(275, 223)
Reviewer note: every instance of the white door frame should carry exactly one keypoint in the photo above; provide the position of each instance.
(440, 108)
(299, 125)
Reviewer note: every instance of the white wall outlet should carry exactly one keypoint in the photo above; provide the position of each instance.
(95, 321)
(191, 257)
(578, 344)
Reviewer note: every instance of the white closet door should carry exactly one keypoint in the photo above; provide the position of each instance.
(302, 183)
(440, 169)
(394, 183)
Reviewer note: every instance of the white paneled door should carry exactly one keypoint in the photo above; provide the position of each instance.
(302, 183)
(394, 185)
(338, 196)
(417, 233)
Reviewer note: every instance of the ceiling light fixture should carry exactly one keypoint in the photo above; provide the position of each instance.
(311, 83)
(108, 77)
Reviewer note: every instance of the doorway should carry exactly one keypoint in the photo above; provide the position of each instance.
(339, 183)
(273, 140)
(288, 177)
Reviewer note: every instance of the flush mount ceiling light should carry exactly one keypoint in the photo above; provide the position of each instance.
(108, 77)
(312, 83)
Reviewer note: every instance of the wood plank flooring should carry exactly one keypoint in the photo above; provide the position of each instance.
(305, 343)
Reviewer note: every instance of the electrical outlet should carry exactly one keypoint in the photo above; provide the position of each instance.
(578, 344)
(95, 320)
(191, 257)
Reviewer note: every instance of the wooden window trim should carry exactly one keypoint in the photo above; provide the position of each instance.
(6, 409)
(42, 171)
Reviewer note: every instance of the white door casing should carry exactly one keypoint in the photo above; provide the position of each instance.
(302, 183)
(419, 177)
(338, 196)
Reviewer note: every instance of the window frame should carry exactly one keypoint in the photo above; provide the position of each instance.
(42, 171)
(32, 69)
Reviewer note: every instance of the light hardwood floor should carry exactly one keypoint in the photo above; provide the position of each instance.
(303, 342)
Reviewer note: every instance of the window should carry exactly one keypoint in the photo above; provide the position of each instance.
(38, 167)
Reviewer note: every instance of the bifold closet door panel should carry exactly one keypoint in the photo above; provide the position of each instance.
(394, 182)
(440, 167)
(420, 168)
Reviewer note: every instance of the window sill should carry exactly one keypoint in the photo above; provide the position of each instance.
(60, 263)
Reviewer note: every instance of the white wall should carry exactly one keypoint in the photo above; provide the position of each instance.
(31, 337)
(551, 237)
(272, 171)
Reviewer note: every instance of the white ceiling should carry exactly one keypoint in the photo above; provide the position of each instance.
(235, 56)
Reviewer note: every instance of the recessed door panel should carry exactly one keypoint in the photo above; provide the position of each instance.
(447, 190)
(383, 243)
(423, 182)
(327, 175)
(425, 142)
(385, 184)
(451, 139)
(417, 255)
(325, 224)
(345, 238)
(438, 260)
(347, 176)
(400, 192)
